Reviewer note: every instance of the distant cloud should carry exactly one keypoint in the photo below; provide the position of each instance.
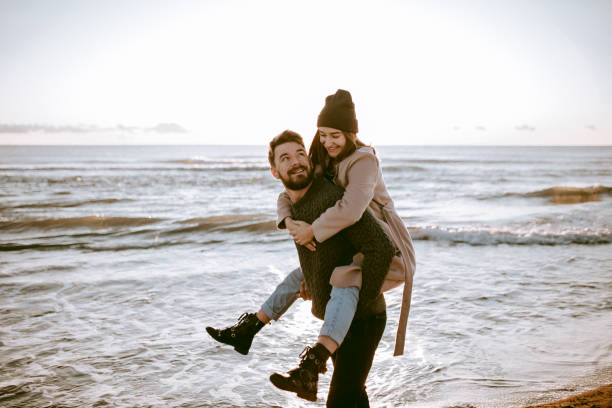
(35, 128)
(481, 128)
(591, 127)
(525, 128)
(168, 128)
(12, 128)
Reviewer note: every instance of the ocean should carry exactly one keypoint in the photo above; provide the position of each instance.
(113, 259)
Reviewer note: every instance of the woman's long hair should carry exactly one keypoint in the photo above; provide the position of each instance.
(320, 158)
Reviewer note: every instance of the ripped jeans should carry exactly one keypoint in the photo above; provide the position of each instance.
(339, 311)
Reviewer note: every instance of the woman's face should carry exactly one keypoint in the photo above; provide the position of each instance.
(333, 140)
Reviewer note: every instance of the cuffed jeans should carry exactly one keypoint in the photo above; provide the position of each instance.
(339, 311)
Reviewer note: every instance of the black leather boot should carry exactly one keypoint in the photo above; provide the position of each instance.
(239, 335)
(304, 379)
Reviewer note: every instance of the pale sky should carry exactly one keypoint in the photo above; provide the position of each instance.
(239, 72)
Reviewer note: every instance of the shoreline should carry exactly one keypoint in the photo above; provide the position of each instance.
(600, 397)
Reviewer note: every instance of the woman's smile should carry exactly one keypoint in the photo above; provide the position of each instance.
(332, 150)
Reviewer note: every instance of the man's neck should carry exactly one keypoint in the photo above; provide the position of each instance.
(296, 195)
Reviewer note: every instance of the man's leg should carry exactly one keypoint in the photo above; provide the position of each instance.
(339, 313)
(352, 362)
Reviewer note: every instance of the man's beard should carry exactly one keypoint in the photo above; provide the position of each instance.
(299, 183)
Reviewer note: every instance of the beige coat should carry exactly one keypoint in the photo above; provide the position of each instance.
(361, 177)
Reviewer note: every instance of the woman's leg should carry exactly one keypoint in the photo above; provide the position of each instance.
(241, 334)
(339, 314)
(283, 296)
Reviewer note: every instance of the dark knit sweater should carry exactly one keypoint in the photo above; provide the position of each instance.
(365, 236)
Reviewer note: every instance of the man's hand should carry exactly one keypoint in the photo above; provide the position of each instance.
(304, 294)
(301, 232)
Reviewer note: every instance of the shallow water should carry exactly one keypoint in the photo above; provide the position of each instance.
(113, 259)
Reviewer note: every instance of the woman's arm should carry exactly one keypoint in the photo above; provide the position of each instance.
(358, 194)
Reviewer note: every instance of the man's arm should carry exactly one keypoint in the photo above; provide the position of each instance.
(368, 237)
(283, 209)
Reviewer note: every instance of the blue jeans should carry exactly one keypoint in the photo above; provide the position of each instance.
(339, 311)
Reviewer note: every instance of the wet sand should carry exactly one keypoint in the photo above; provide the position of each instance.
(600, 397)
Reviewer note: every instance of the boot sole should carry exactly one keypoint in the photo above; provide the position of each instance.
(241, 351)
(211, 333)
(306, 396)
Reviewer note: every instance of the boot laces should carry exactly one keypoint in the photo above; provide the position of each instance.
(310, 358)
(243, 317)
(304, 352)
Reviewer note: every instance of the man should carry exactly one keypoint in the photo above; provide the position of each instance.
(353, 359)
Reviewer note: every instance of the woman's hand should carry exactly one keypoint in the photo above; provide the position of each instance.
(301, 232)
(290, 224)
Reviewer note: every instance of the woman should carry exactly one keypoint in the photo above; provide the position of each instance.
(339, 155)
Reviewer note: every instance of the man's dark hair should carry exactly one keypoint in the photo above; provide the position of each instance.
(285, 137)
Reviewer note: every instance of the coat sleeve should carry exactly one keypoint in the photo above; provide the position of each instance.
(283, 209)
(368, 237)
(359, 191)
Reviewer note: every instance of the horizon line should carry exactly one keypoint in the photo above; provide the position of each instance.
(259, 145)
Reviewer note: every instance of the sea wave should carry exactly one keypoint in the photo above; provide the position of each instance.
(233, 160)
(402, 168)
(228, 223)
(91, 222)
(123, 225)
(562, 194)
(482, 236)
(101, 228)
(476, 160)
(84, 246)
(570, 195)
(71, 203)
(197, 160)
(88, 169)
(102, 247)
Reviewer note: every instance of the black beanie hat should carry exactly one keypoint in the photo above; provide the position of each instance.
(339, 112)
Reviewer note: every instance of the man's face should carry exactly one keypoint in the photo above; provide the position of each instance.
(291, 166)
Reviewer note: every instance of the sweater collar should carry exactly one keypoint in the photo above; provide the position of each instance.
(316, 185)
